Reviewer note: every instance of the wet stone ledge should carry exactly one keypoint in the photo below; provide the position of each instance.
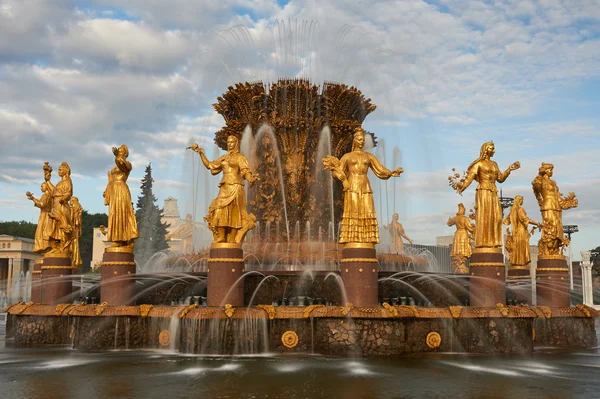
(333, 331)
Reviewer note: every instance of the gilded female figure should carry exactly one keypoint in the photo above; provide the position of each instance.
(122, 226)
(61, 236)
(228, 217)
(397, 233)
(488, 222)
(518, 244)
(76, 215)
(359, 221)
(461, 246)
(550, 201)
(45, 225)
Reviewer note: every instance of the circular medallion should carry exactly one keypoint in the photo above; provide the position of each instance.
(433, 340)
(289, 339)
(164, 338)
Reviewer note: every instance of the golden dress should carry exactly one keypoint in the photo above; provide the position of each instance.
(229, 208)
(397, 233)
(548, 196)
(461, 245)
(122, 225)
(61, 212)
(77, 211)
(519, 253)
(488, 212)
(45, 226)
(359, 221)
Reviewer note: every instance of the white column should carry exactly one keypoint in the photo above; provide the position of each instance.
(586, 278)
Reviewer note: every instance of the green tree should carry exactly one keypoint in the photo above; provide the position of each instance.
(18, 229)
(149, 219)
(86, 241)
(596, 262)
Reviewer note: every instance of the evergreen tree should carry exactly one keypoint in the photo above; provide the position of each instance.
(86, 241)
(149, 219)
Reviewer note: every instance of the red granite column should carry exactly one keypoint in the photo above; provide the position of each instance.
(488, 280)
(225, 267)
(359, 274)
(519, 282)
(552, 281)
(57, 286)
(117, 276)
(36, 281)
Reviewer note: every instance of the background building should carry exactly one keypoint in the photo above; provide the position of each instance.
(16, 264)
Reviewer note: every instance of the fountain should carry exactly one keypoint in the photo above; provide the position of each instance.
(293, 266)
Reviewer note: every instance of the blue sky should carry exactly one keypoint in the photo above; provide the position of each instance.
(77, 77)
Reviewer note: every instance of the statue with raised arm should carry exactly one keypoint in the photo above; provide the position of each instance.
(517, 242)
(551, 206)
(122, 226)
(76, 218)
(488, 223)
(397, 233)
(62, 233)
(228, 218)
(461, 245)
(359, 220)
(45, 225)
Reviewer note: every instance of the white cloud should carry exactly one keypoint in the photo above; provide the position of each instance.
(74, 82)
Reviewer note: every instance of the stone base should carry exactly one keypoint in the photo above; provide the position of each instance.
(118, 278)
(57, 286)
(36, 281)
(359, 274)
(488, 281)
(519, 282)
(552, 283)
(225, 269)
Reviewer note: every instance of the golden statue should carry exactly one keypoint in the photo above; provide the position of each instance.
(488, 212)
(122, 226)
(359, 221)
(228, 217)
(517, 241)
(76, 215)
(45, 225)
(61, 236)
(551, 205)
(397, 233)
(461, 246)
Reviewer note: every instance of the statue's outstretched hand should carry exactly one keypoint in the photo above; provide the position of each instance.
(397, 172)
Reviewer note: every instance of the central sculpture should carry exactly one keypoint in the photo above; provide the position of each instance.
(287, 122)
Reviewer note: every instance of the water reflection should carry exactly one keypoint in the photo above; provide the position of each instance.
(62, 373)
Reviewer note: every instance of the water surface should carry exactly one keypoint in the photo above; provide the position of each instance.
(65, 373)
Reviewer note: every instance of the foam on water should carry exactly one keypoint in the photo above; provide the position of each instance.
(192, 371)
(288, 367)
(483, 369)
(228, 367)
(356, 368)
(64, 363)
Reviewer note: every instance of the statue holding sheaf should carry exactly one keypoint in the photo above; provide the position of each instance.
(551, 206)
